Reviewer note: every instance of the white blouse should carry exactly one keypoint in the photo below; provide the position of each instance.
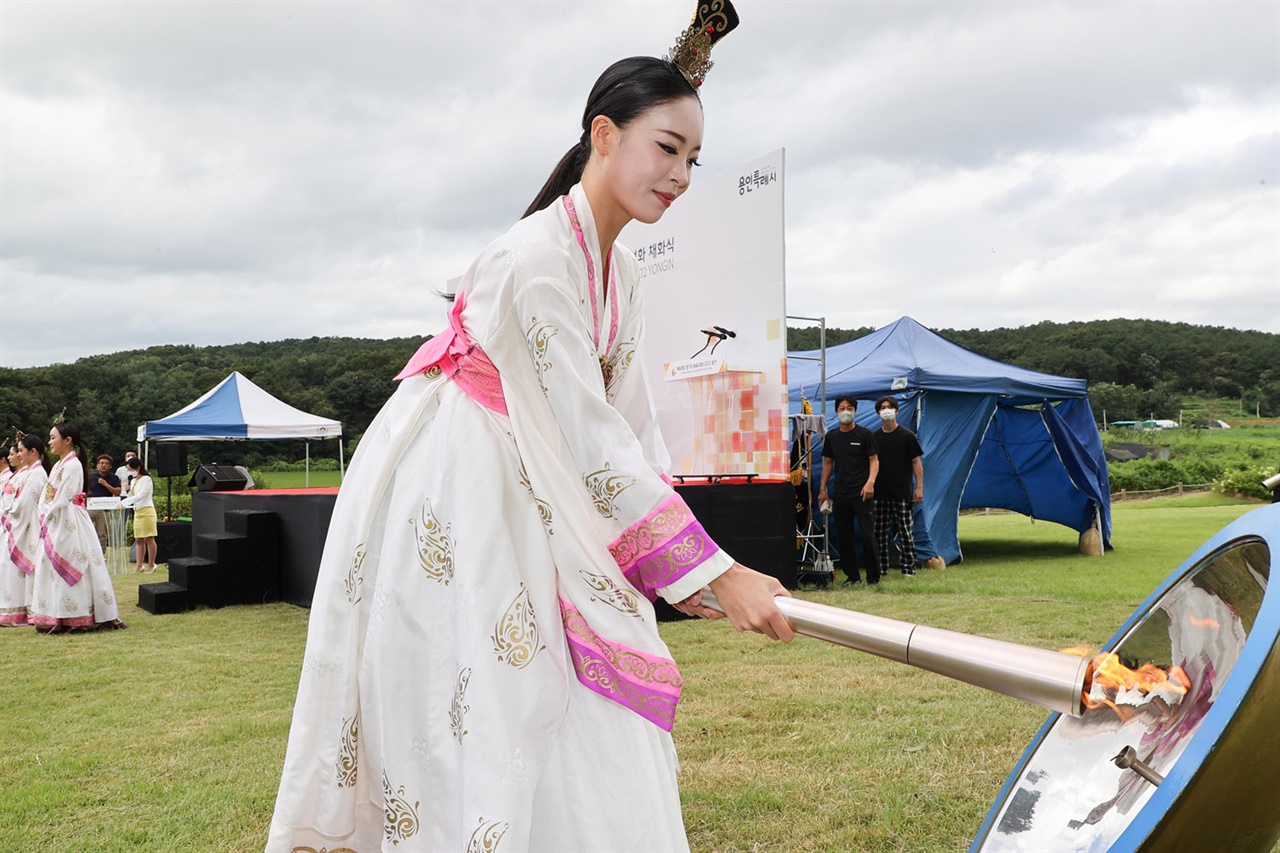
(140, 494)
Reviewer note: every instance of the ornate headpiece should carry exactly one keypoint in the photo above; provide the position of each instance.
(713, 20)
(17, 433)
(60, 417)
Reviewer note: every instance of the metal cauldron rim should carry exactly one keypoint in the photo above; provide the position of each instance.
(1262, 523)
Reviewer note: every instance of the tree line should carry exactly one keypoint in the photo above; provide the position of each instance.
(1135, 368)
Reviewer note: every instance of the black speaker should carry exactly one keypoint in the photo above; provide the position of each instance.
(218, 478)
(171, 459)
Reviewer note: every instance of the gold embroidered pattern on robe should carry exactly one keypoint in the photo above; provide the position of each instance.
(605, 485)
(618, 363)
(355, 576)
(400, 820)
(516, 638)
(538, 336)
(606, 591)
(487, 836)
(435, 546)
(458, 710)
(647, 535)
(544, 509)
(347, 758)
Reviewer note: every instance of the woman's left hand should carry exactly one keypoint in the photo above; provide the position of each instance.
(693, 606)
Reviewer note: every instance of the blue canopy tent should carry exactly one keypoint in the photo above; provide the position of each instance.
(236, 410)
(993, 435)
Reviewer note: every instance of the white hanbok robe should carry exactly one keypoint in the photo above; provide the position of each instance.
(483, 669)
(71, 586)
(21, 503)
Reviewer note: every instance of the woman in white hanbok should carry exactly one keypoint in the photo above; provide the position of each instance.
(13, 592)
(483, 668)
(22, 524)
(71, 586)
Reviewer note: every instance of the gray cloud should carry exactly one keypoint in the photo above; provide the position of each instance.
(255, 171)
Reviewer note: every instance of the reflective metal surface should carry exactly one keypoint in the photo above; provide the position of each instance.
(1050, 679)
(1217, 746)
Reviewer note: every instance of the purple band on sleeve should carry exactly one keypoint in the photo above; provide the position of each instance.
(646, 684)
(662, 547)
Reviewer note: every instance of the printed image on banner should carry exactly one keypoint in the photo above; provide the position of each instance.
(713, 275)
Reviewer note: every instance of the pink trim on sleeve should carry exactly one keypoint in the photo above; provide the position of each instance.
(646, 684)
(662, 547)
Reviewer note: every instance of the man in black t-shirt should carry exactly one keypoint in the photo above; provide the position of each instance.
(899, 462)
(851, 450)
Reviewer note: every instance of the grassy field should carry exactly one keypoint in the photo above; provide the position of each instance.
(170, 736)
(295, 479)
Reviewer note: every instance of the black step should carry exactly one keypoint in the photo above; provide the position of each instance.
(163, 598)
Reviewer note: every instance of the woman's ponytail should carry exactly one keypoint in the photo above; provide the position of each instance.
(566, 173)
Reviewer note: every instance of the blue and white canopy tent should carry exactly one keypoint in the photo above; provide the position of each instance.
(993, 435)
(238, 410)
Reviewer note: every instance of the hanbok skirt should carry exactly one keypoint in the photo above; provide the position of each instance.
(438, 708)
(89, 602)
(15, 588)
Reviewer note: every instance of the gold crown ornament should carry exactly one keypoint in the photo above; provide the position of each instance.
(60, 417)
(691, 53)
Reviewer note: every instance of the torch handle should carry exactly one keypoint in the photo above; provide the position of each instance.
(1052, 680)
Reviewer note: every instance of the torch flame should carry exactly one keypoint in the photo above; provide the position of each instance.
(1078, 651)
(1108, 677)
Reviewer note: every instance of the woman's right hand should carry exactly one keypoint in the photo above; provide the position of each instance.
(747, 598)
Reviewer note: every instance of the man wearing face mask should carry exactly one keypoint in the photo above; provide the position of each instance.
(851, 450)
(899, 463)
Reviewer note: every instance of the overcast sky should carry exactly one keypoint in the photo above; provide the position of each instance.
(211, 173)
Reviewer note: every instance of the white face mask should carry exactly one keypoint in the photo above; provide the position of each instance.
(845, 417)
(888, 415)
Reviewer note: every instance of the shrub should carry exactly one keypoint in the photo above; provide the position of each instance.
(1245, 481)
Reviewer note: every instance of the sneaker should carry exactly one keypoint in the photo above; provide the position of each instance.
(851, 582)
(908, 573)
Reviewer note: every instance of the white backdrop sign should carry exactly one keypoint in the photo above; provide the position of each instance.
(713, 270)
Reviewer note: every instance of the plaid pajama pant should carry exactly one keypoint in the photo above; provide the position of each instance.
(895, 512)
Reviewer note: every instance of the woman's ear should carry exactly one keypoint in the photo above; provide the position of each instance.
(604, 135)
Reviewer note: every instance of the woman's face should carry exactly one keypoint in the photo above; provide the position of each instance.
(647, 166)
(59, 445)
(15, 457)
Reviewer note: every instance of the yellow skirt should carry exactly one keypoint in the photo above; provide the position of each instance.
(144, 522)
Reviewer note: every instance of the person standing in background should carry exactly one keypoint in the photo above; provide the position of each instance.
(125, 474)
(851, 450)
(144, 516)
(102, 484)
(900, 454)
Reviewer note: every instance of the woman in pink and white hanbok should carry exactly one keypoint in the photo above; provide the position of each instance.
(483, 665)
(72, 587)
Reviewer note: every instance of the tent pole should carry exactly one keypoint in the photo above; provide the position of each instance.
(307, 479)
(342, 467)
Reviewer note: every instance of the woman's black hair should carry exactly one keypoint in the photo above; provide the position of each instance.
(66, 429)
(135, 464)
(626, 90)
(36, 443)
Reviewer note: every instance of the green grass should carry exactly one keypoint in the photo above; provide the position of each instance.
(295, 479)
(170, 736)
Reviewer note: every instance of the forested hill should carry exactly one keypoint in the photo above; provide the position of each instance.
(1135, 368)
(110, 395)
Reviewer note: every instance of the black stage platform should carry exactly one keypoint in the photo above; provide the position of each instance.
(755, 522)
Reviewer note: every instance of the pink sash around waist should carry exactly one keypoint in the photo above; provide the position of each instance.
(453, 353)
